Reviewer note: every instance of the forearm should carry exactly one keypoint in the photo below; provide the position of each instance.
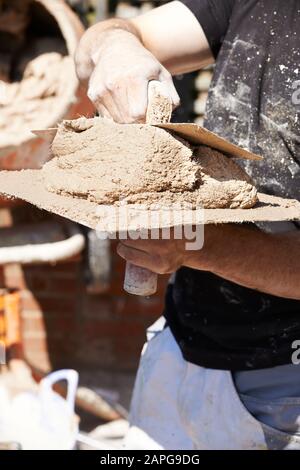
(265, 262)
(174, 36)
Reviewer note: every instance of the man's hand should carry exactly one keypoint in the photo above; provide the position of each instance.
(237, 253)
(118, 85)
(164, 256)
(159, 256)
(116, 59)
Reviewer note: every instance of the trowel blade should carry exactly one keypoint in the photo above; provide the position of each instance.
(48, 135)
(198, 135)
(189, 131)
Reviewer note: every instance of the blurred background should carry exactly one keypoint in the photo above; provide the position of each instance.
(62, 303)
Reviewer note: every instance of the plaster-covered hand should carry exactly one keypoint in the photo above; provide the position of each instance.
(116, 58)
(120, 72)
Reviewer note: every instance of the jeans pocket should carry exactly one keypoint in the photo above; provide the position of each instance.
(277, 418)
(282, 414)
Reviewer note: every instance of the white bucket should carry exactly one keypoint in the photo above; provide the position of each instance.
(42, 420)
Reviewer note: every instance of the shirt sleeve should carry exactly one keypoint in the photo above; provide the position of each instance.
(214, 17)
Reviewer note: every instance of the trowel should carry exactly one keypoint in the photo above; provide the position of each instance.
(31, 188)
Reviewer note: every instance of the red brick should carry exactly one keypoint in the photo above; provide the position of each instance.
(30, 324)
(57, 305)
(38, 360)
(67, 268)
(97, 307)
(29, 302)
(2, 281)
(36, 345)
(128, 349)
(49, 325)
(137, 307)
(13, 276)
(63, 286)
(38, 283)
(31, 314)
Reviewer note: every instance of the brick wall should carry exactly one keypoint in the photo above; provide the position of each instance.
(63, 325)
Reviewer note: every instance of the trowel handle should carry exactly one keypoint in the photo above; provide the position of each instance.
(140, 281)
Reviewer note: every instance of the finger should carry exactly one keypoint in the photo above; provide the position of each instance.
(109, 103)
(95, 89)
(132, 99)
(127, 104)
(102, 98)
(84, 65)
(103, 111)
(166, 77)
(140, 244)
(138, 258)
(96, 97)
(106, 107)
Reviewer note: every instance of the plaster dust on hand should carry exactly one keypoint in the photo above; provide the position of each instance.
(105, 162)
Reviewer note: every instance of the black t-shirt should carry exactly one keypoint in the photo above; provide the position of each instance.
(253, 103)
